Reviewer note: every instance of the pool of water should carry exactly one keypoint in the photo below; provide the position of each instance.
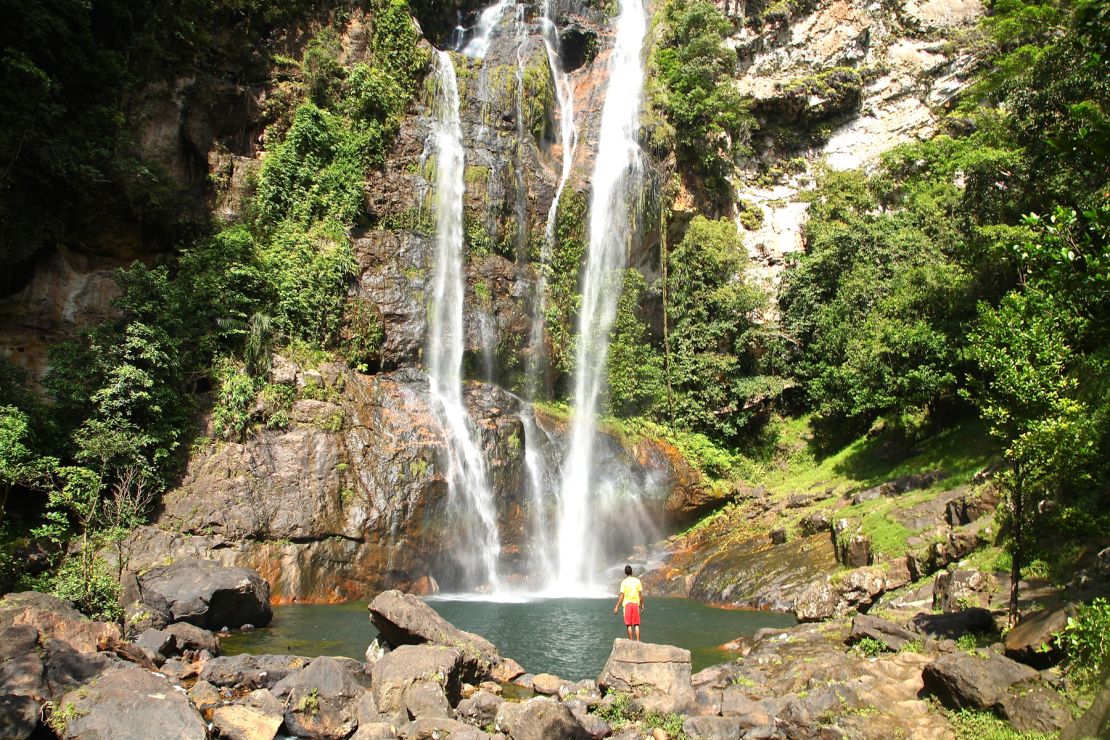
(568, 637)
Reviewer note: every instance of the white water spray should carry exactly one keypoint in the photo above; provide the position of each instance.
(616, 179)
(488, 19)
(468, 483)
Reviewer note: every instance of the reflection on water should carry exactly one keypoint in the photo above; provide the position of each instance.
(568, 637)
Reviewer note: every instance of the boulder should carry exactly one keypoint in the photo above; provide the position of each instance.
(736, 703)
(191, 637)
(957, 590)
(67, 668)
(507, 670)
(857, 552)
(376, 731)
(480, 709)
(57, 619)
(659, 675)
(237, 722)
(323, 699)
(964, 681)
(205, 696)
(714, 728)
(539, 719)
(438, 728)
(22, 672)
(886, 632)
(426, 699)
(545, 683)
(410, 664)
(404, 619)
(1032, 640)
(951, 626)
(815, 523)
(158, 645)
(129, 703)
(205, 593)
(251, 671)
(19, 715)
(1033, 709)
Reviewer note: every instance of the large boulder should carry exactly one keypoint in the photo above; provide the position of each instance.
(323, 700)
(190, 637)
(204, 593)
(251, 671)
(658, 675)
(950, 626)
(964, 681)
(1033, 639)
(885, 631)
(539, 719)
(400, 669)
(57, 619)
(129, 703)
(404, 619)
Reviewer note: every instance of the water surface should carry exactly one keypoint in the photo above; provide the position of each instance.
(568, 637)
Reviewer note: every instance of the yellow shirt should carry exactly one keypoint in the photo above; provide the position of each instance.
(630, 589)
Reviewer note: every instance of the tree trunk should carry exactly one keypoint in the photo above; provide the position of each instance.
(1017, 508)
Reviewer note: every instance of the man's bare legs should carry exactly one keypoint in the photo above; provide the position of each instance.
(637, 638)
(629, 632)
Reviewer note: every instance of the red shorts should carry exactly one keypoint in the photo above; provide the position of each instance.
(631, 614)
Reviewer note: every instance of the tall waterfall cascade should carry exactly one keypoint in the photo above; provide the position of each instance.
(469, 492)
(576, 516)
(617, 177)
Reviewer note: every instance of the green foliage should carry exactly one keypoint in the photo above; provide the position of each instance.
(695, 66)
(618, 711)
(1086, 641)
(634, 367)
(869, 647)
(231, 414)
(711, 311)
(669, 723)
(91, 586)
(974, 724)
(567, 254)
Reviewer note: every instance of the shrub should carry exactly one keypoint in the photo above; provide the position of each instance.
(1086, 641)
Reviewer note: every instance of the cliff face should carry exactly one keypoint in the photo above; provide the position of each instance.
(836, 84)
(351, 497)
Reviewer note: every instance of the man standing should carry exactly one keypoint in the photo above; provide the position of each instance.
(632, 595)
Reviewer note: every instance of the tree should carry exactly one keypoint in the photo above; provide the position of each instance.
(1029, 393)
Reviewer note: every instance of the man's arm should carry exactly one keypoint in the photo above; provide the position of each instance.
(620, 598)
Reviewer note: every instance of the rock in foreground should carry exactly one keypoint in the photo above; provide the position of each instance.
(658, 675)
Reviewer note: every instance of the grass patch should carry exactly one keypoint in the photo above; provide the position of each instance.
(969, 724)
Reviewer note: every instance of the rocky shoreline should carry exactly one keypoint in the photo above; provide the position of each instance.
(866, 677)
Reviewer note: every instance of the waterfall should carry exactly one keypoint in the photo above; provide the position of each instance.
(540, 475)
(469, 493)
(488, 19)
(616, 177)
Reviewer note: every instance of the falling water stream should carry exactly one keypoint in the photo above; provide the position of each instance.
(469, 490)
(616, 178)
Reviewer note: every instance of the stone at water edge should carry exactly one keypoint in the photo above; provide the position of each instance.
(410, 664)
(545, 683)
(204, 593)
(190, 637)
(507, 670)
(657, 675)
(251, 671)
(404, 619)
